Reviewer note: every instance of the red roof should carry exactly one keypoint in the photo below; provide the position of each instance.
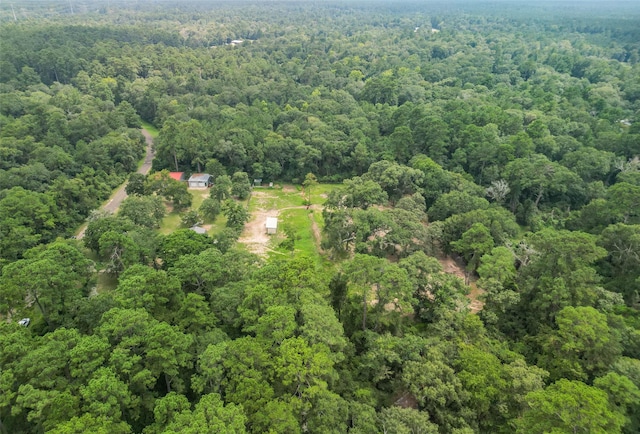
(178, 176)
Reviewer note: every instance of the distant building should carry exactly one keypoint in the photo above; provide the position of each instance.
(257, 182)
(236, 42)
(272, 225)
(200, 180)
(198, 229)
(178, 176)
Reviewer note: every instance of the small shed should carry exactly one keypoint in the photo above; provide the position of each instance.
(272, 225)
(178, 176)
(198, 229)
(200, 180)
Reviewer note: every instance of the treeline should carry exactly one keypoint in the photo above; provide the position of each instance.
(509, 142)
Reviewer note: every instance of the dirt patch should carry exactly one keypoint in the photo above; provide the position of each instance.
(289, 189)
(406, 400)
(168, 206)
(474, 295)
(316, 233)
(451, 266)
(254, 234)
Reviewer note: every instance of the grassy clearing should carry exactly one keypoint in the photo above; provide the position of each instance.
(275, 198)
(106, 282)
(198, 197)
(153, 131)
(173, 220)
(320, 192)
(289, 203)
(299, 220)
(170, 223)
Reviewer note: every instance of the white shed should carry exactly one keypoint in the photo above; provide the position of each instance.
(272, 225)
(198, 229)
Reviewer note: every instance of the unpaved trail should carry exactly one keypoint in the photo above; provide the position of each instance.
(450, 266)
(316, 232)
(119, 195)
(254, 235)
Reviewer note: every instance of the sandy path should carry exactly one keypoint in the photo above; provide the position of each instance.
(254, 235)
(452, 267)
(119, 195)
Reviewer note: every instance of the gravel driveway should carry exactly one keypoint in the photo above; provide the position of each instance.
(116, 199)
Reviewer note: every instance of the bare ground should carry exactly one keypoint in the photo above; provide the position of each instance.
(316, 232)
(254, 234)
(450, 266)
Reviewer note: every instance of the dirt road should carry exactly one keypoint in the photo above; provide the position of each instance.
(119, 195)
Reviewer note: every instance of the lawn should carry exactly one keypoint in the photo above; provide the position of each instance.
(153, 131)
(172, 221)
(288, 203)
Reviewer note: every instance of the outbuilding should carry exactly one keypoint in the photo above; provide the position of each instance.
(200, 180)
(198, 229)
(272, 225)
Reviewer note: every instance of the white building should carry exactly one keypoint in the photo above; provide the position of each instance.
(200, 180)
(272, 225)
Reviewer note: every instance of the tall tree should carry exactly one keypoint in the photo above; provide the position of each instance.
(569, 406)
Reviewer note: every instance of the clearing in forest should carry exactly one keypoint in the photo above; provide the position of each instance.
(172, 221)
(287, 203)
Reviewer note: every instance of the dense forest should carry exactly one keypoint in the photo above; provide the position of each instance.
(502, 135)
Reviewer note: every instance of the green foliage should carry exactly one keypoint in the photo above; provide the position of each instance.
(210, 415)
(240, 185)
(532, 109)
(221, 189)
(455, 202)
(182, 242)
(190, 218)
(582, 348)
(210, 208)
(310, 181)
(146, 211)
(171, 189)
(27, 218)
(136, 184)
(53, 277)
(567, 406)
(236, 213)
(475, 242)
